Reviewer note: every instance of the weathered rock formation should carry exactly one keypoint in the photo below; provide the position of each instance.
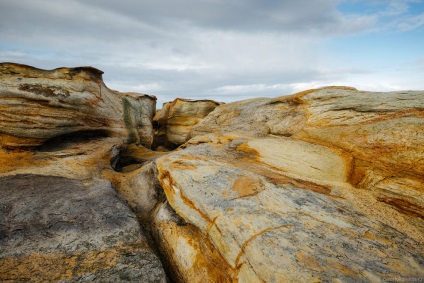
(55, 228)
(38, 105)
(60, 219)
(321, 186)
(176, 119)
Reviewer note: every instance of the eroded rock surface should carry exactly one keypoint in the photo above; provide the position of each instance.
(275, 225)
(314, 187)
(60, 218)
(55, 228)
(176, 119)
(37, 105)
(321, 186)
(186, 252)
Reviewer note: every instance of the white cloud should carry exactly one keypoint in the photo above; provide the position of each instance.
(12, 54)
(251, 88)
(229, 49)
(142, 88)
(410, 23)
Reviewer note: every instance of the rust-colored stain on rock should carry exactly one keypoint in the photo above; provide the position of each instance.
(179, 165)
(39, 267)
(308, 260)
(245, 186)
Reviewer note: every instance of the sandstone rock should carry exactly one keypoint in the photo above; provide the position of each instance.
(140, 189)
(54, 228)
(177, 118)
(324, 185)
(383, 133)
(60, 218)
(273, 224)
(37, 105)
(187, 253)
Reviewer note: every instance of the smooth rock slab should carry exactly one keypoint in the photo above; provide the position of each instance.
(382, 133)
(271, 225)
(54, 228)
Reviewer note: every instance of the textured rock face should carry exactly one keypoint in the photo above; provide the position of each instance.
(324, 185)
(60, 218)
(176, 119)
(54, 228)
(279, 226)
(37, 105)
(187, 253)
(382, 132)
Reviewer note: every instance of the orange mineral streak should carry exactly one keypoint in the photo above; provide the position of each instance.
(14, 159)
(404, 207)
(298, 97)
(308, 260)
(180, 165)
(11, 142)
(245, 186)
(166, 183)
(39, 267)
(248, 241)
(168, 186)
(208, 263)
(345, 270)
(370, 236)
(251, 162)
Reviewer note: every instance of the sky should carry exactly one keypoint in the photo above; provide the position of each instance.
(225, 50)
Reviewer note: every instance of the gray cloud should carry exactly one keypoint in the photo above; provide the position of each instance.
(224, 49)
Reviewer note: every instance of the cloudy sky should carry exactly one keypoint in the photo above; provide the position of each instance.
(225, 50)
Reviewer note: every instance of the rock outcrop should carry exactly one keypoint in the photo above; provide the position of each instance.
(55, 228)
(321, 186)
(60, 219)
(325, 185)
(176, 119)
(38, 105)
(279, 210)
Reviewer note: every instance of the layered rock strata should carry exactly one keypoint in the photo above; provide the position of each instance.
(60, 219)
(38, 105)
(321, 186)
(176, 119)
(59, 229)
(325, 185)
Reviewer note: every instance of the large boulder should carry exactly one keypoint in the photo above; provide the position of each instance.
(324, 185)
(176, 119)
(55, 228)
(381, 132)
(38, 105)
(61, 219)
(321, 186)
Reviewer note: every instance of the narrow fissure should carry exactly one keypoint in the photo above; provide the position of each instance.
(128, 159)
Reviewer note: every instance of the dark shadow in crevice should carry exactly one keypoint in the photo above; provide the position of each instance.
(131, 157)
(161, 143)
(64, 141)
(121, 162)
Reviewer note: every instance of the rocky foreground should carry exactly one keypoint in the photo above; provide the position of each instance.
(325, 185)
